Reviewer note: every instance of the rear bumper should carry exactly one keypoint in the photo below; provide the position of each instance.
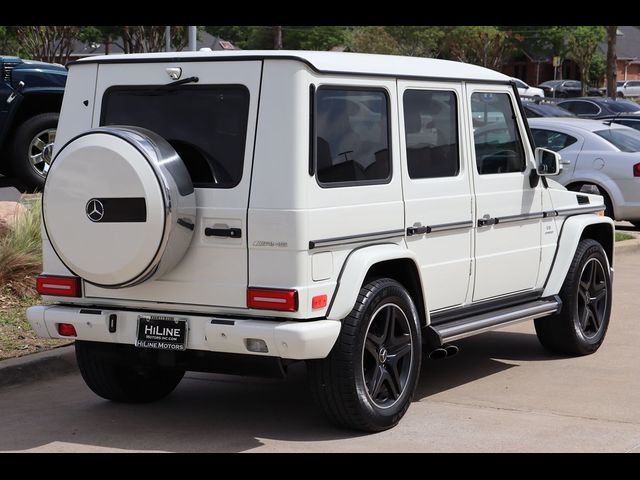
(286, 339)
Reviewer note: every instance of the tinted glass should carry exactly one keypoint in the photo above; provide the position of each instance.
(207, 125)
(628, 123)
(352, 136)
(431, 132)
(580, 108)
(497, 141)
(520, 84)
(625, 140)
(533, 111)
(623, 106)
(572, 84)
(552, 140)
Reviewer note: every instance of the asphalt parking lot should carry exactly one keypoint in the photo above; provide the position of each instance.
(501, 393)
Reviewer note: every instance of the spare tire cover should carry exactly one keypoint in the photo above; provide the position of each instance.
(119, 206)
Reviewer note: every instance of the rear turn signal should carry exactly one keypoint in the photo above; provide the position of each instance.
(59, 286)
(636, 170)
(67, 330)
(271, 299)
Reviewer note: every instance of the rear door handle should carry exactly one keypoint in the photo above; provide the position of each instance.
(483, 222)
(223, 232)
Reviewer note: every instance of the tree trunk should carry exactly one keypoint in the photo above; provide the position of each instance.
(611, 62)
(584, 72)
(277, 40)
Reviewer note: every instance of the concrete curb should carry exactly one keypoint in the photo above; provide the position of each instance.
(627, 246)
(38, 366)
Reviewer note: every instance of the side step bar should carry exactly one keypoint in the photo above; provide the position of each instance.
(465, 327)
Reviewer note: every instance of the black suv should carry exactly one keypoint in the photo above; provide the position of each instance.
(30, 100)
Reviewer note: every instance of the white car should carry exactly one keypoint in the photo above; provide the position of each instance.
(596, 153)
(528, 91)
(240, 211)
(627, 88)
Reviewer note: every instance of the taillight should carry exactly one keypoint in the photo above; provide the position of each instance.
(636, 170)
(59, 286)
(319, 301)
(67, 330)
(272, 299)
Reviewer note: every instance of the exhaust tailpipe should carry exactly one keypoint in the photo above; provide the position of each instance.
(438, 354)
(451, 350)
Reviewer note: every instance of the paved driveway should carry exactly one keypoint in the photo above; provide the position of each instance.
(503, 392)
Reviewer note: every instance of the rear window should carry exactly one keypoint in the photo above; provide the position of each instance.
(623, 106)
(625, 140)
(207, 125)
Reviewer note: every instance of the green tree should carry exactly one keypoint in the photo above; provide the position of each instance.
(372, 40)
(582, 42)
(47, 43)
(416, 41)
(480, 45)
(9, 44)
(313, 38)
(597, 70)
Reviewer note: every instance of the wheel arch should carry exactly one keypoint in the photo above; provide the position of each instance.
(575, 229)
(378, 261)
(605, 185)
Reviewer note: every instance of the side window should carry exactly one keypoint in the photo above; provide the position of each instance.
(495, 132)
(584, 108)
(431, 133)
(352, 136)
(552, 140)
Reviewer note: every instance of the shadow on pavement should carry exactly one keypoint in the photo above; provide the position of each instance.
(219, 413)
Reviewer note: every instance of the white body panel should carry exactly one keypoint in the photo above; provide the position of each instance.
(319, 240)
(507, 255)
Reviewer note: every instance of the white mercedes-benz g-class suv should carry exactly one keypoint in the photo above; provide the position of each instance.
(236, 212)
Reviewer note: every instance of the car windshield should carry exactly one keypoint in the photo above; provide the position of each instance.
(619, 84)
(547, 111)
(623, 106)
(550, 83)
(625, 140)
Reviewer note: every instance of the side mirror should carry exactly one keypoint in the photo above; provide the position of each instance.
(547, 162)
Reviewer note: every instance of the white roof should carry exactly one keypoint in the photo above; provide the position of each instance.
(340, 62)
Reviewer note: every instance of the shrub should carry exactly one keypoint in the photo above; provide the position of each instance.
(20, 252)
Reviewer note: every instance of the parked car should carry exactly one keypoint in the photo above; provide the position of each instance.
(596, 153)
(183, 229)
(561, 88)
(627, 88)
(30, 99)
(628, 120)
(599, 107)
(527, 91)
(534, 110)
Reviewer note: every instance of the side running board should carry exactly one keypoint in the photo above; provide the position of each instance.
(465, 327)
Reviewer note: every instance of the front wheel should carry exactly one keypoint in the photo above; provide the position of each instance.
(368, 380)
(581, 325)
(32, 149)
(105, 372)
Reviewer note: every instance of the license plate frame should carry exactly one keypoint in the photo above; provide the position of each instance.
(161, 332)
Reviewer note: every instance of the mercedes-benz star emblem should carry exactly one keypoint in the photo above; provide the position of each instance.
(95, 210)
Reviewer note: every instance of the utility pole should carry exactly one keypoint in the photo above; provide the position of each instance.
(167, 39)
(277, 40)
(193, 33)
(612, 59)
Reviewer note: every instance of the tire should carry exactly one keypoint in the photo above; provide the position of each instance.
(581, 325)
(114, 380)
(38, 126)
(366, 353)
(608, 206)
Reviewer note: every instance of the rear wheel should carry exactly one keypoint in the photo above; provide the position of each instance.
(32, 150)
(581, 325)
(368, 379)
(110, 378)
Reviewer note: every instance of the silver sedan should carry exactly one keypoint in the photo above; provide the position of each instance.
(596, 153)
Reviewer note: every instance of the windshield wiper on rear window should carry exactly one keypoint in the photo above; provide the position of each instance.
(176, 83)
